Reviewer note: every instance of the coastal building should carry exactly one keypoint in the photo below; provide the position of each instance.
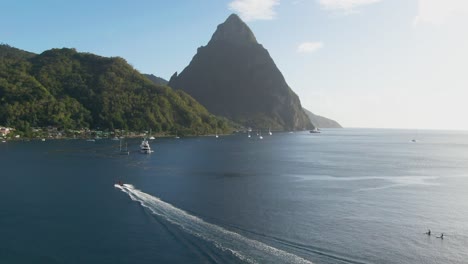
(5, 131)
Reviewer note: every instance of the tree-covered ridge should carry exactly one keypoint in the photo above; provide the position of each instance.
(7, 51)
(68, 89)
(156, 79)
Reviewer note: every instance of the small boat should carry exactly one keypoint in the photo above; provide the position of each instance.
(315, 130)
(152, 138)
(145, 147)
(115, 138)
(89, 140)
(43, 139)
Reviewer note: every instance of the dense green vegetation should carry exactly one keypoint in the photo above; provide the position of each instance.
(72, 90)
(156, 79)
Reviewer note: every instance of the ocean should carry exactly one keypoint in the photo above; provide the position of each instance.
(343, 196)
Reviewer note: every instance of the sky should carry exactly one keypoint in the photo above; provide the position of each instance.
(364, 63)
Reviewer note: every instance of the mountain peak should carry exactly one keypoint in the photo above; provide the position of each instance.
(233, 18)
(235, 77)
(234, 30)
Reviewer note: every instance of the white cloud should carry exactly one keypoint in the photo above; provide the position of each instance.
(347, 6)
(438, 12)
(309, 47)
(254, 9)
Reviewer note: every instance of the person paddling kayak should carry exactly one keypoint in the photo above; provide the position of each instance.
(428, 232)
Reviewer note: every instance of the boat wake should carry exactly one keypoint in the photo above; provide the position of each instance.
(395, 181)
(244, 248)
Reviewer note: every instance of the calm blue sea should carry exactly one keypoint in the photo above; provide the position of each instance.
(342, 196)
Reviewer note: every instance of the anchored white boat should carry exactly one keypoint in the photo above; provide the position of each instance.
(145, 147)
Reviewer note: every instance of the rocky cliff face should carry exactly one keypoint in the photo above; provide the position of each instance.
(235, 77)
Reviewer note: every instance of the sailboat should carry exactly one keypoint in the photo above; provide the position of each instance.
(123, 152)
(216, 135)
(269, 131)
(176, 137)
(260, 135)
(248, 134)
(151, 137)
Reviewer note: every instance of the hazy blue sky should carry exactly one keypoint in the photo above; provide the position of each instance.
(365, 63)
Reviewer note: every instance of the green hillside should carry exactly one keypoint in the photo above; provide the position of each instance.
(73, 90)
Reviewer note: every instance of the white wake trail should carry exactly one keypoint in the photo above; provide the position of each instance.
(244, 248)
